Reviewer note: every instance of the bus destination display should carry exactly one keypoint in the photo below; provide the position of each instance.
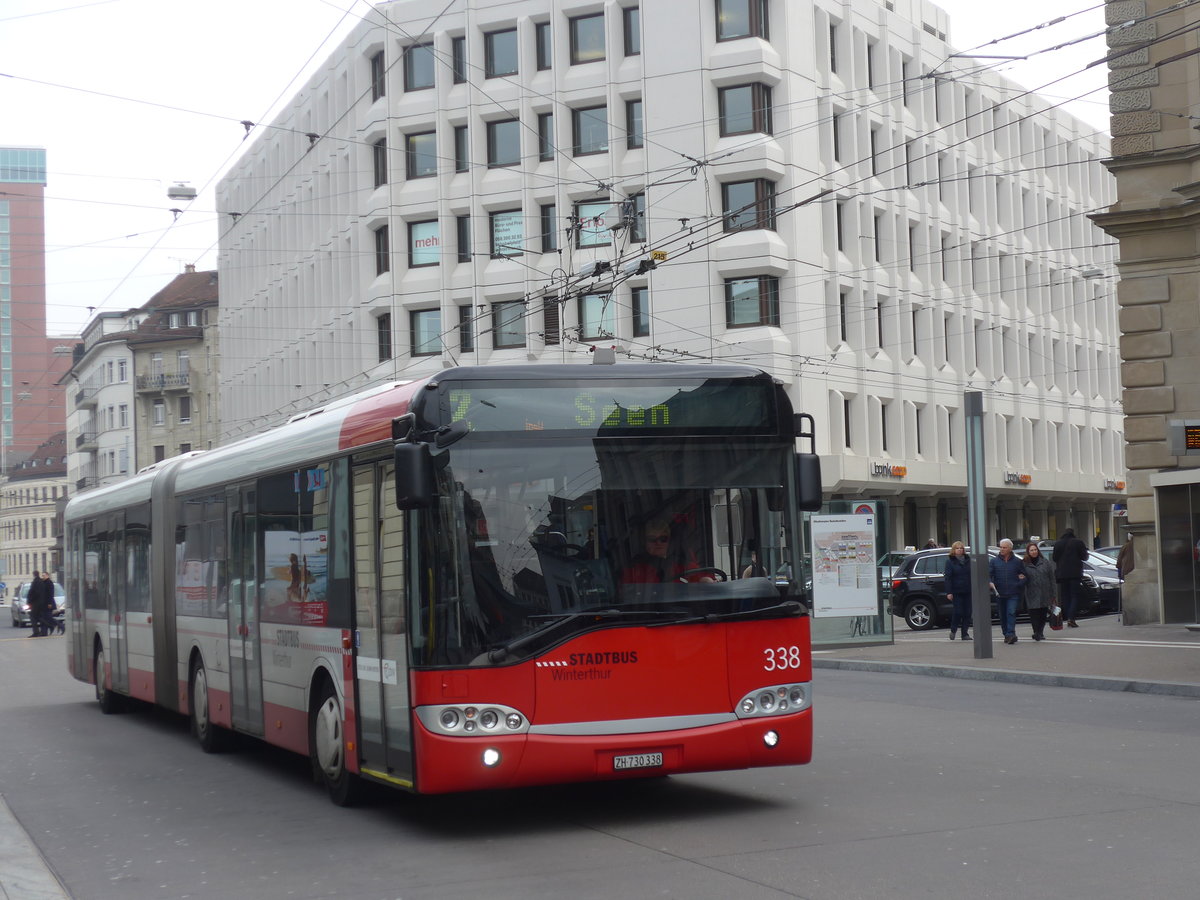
(710, 407)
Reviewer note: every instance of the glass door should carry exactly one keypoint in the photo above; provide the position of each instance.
(245, 667)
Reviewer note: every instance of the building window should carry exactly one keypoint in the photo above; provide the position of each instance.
(592, 219)
(378, 77)
(508, 324)
(632, 18)
(597, 317)
(123, 415)
(466, 328)
(160, 452)
(633, 124)
(548, 220)
(462, 152)
(418, 67)
(424, 244)
(383, 336)
(174, 320)
(752, 301)
(545, 136)
(589, 130)
(504, 143)
(458, 59)
(158, 414)
(122, 370)
(185, 409)
(542, 37)
(641, 311)
(587, 39)
(552, 321)
(839, 215)
(500, 53)
(741, 19)
(835, 124)
(420, 154)
(745, 109)
(426, 327)
(185, 448)
(636, 217)
(462, 234)
(846, 418)
(183, 362)
(508, 233)
(833, 47)
(843, 309)
(749, 204)
(379, 160)
(383, 260)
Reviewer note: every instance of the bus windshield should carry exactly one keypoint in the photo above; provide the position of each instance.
(534, 540)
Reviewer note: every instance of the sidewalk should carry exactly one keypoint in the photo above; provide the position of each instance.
(1101, 654)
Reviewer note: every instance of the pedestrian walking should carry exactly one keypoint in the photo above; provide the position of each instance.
(1069, 554)
(1041, 589)
(958, 589)
(1006, 574)
(49, 606)
(37, 599)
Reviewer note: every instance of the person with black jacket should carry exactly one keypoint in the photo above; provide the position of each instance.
(1069, 554)
(39, 597)
(958, 589)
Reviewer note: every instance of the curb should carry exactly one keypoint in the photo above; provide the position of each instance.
(1047, 679)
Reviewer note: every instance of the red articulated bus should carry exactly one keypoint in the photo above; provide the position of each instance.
(489, 578)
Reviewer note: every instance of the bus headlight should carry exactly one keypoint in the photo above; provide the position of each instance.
(472, 719)
(776, 700)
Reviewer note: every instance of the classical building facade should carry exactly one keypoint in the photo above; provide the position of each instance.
(1155, 77)
(32, 495)
(142, 386)
(817, 189)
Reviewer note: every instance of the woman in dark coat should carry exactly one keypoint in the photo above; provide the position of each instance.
(1041, 588)
(958, 589)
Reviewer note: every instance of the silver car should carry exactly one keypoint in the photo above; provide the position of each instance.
(20, 604)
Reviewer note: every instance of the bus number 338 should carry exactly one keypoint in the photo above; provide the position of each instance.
(781, 658)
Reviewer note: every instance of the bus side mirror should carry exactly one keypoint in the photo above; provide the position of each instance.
(808, 482)
(415, 483)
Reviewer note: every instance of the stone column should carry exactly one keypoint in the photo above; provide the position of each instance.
(1037, 513)
(926, 520)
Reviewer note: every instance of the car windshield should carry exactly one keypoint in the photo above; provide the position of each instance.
(538, 541)
(1101, 559)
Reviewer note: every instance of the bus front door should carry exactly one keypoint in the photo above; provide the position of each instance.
(381, 663)
(245, 667)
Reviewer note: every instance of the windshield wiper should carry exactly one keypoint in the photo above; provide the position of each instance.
(787, 608)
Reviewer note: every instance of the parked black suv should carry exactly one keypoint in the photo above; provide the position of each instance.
(919, 592)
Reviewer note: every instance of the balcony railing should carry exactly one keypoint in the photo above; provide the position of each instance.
(85, 439)
(179, 381)
(85, 397)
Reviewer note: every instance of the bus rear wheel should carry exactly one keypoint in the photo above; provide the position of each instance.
(109, 702)
(210, 737)
(327, 747)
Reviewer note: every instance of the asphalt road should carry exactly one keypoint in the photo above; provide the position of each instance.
(921, 787)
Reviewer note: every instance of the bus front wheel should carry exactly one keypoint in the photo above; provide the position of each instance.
(327, 747)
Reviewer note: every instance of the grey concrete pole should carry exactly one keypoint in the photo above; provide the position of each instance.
(981, 601)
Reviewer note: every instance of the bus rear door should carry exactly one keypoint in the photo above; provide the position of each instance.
(245, 666)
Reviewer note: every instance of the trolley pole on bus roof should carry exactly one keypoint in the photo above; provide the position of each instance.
(981, 601)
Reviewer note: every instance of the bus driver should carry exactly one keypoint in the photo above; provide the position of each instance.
(657, 563)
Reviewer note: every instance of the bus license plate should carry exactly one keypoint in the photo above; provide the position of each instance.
(638, 761)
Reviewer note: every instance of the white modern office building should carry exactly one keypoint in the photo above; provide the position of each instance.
(817, 189)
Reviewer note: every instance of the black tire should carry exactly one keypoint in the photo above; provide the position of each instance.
(109, 701)
(327, 747)
(211, 738)
(920, 614)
